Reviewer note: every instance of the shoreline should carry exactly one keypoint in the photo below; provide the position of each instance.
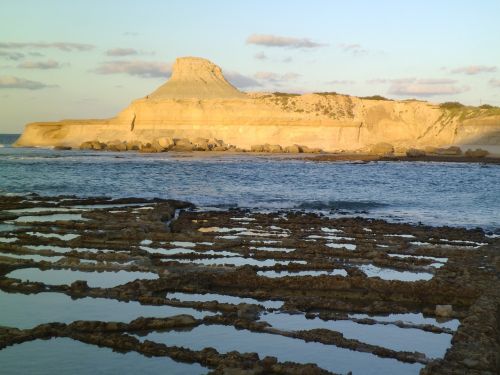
(324, 271)
(429, 158)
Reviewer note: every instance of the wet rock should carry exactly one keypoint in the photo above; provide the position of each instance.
(248, 311)
(444, 310)
(63, 148)
(79, 286)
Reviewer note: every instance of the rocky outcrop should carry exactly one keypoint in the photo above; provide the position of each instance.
(197, 102)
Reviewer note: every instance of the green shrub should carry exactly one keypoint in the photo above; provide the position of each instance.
(326, 93)
(374, 97)
(451, 105)
(284, 94)
(487, 106)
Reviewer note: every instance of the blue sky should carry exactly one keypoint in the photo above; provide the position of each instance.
(89, 59)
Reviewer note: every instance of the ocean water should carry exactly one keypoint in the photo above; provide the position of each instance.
(453, 194)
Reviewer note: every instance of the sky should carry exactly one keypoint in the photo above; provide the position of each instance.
(89, 59)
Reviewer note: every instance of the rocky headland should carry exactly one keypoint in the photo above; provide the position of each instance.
(197, 109)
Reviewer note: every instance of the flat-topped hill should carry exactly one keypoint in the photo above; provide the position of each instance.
(194, 77)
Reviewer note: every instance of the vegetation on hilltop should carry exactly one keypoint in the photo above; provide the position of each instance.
(285, 94)
(375, 97)
(464, 112)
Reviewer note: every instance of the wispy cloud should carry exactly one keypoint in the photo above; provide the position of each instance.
(495, 82)
(341, 82)
(260, 56)
(63, 46)
(11, 82)
(144, 69)
(276, 78)
(241, 81)
(14, 56)
(426, 87)
(121, 52)
(353, 48)
(269, 40)
(474, 69)
(49, 64)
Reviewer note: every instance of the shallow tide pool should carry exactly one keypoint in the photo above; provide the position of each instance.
(105, 279)
(27, 311)
(67, 356)
(339, 360)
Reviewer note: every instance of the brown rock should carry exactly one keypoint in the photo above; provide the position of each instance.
(444, 310)
(248, 311)
(293, 149)
(450, 151)
(273, 148)
(382, 149)
(477, 153)
(257, 148)
(133, 145)
(86, 145)
(415, 153)
(165, 142)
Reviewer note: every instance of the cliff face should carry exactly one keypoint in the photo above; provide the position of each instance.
(197, 101)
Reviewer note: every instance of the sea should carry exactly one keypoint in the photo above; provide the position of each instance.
(432, 193)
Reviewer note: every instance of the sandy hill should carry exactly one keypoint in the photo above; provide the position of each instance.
(194, 77)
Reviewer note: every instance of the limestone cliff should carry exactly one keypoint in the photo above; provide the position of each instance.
(197, 101)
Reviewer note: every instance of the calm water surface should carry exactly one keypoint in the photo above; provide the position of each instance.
(433, 193)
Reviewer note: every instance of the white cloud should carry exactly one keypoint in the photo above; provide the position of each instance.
(354, 49)
(260, 56)
(341, 82)
(11, 82)
(144, 69)
(495, 82)
(12, 55)
(276, 78)
(269, 40)
(474, 69)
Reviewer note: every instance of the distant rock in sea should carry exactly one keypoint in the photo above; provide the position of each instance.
(197, 105)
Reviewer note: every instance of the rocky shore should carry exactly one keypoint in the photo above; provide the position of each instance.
(358, 271)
